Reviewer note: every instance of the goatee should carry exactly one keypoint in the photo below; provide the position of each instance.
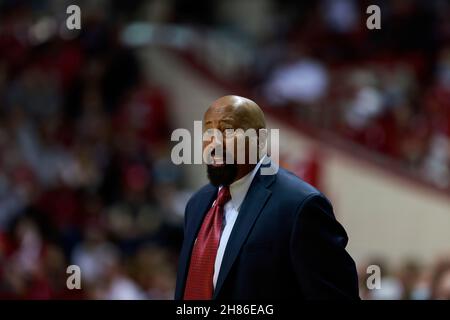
(222, 175)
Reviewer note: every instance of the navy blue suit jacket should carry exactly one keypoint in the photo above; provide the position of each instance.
(285, 244)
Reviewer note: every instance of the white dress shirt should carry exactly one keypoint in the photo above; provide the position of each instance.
(238, 191)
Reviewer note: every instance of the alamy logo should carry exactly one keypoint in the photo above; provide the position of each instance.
(74, 20)
(374, 20)
(74, 280)
(241, 147)
(374, 280)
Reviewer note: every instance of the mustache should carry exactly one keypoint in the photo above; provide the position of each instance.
(223, 156)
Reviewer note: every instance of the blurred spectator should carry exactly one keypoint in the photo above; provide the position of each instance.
(303, 81)
(83, 144)
(440, 286)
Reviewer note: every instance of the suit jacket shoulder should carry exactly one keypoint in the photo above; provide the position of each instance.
(292, 192)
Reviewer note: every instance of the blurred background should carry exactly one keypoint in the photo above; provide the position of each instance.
(86, 117)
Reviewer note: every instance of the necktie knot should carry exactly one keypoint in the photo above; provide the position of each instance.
(224, 196)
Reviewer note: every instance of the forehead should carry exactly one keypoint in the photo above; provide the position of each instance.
(220, 112)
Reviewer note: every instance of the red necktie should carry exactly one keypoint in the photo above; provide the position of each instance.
(199, 283)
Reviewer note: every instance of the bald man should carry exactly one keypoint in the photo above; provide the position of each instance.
(250, 235)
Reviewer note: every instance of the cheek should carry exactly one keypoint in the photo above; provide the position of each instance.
(230, 144)
(205, 144)
(240, 146)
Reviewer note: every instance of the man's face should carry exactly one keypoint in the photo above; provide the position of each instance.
(221, 119)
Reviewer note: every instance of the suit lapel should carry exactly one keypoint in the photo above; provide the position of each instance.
(198, 212)
(254, 202)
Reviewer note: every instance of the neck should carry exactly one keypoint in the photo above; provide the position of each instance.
(243, 170)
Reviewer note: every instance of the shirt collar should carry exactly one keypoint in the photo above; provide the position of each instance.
(239, 188)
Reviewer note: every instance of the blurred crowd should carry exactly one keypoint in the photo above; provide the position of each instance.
(409, 281)
(385, 90)
(85, 170)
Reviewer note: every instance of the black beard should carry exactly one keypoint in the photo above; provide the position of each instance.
(222, 176)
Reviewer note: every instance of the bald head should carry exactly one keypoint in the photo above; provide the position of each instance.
(235, 112)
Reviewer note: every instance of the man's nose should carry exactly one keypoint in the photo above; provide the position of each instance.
(215, 141)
